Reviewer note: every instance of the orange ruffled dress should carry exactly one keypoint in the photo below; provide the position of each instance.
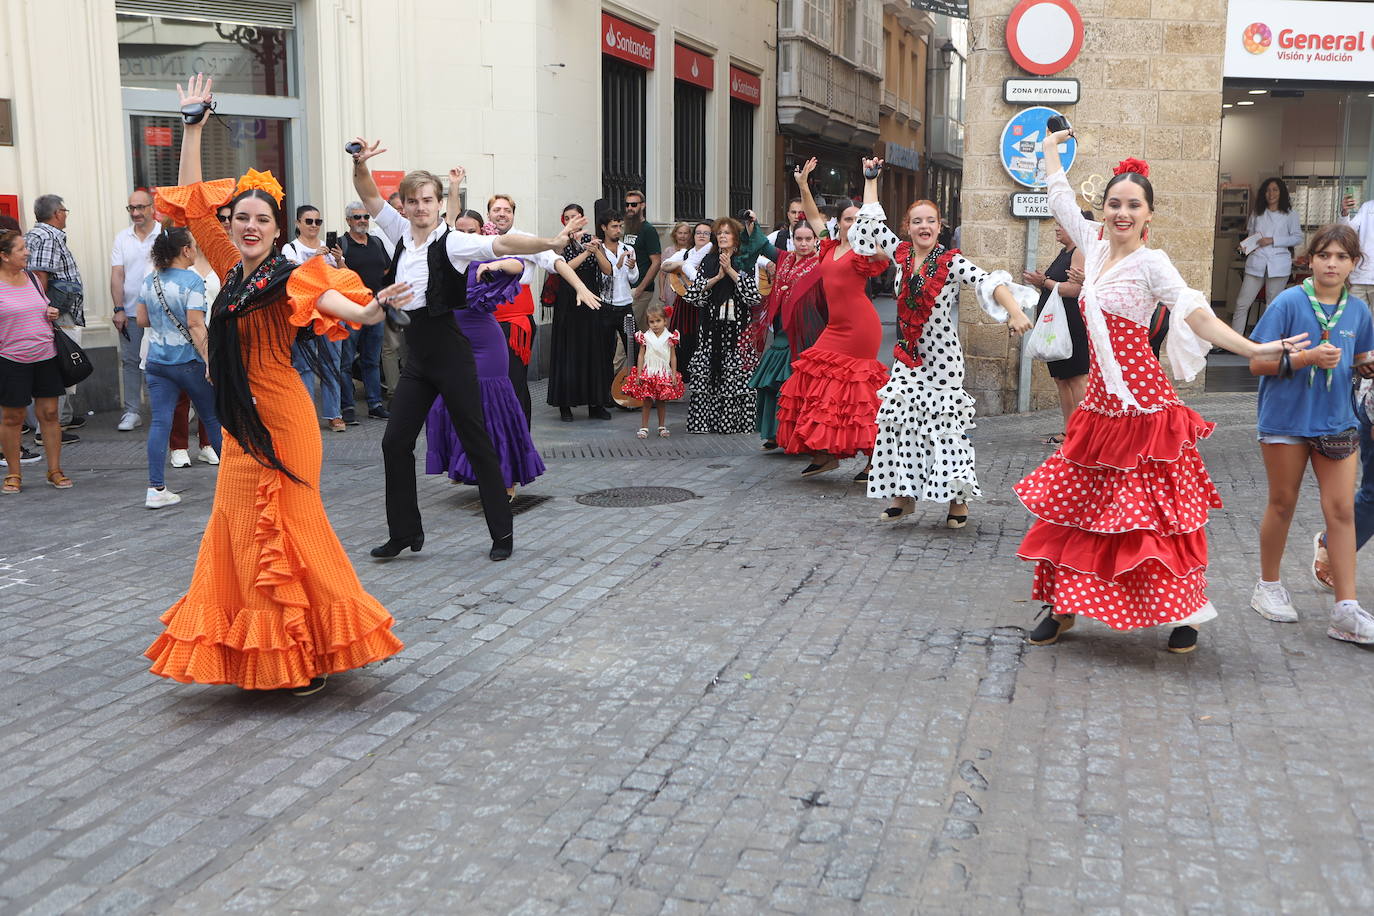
(274, 600)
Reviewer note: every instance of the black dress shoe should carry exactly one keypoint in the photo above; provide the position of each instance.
(598, 413)
(565, 414)
(394, 546)
(502, 548)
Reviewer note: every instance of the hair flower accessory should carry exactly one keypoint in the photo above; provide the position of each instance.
(253, 180)
(1139, 166)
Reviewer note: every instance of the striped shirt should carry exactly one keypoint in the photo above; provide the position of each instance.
(25, 331)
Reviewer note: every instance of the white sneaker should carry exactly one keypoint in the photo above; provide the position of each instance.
(129, 421)
(207, 454)
(1273, 603)
(1351, 623)
(160, 499)
(180, 459)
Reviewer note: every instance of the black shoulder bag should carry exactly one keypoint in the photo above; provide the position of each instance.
(73, 365)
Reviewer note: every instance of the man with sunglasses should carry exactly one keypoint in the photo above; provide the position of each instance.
(130, 261)
(366, 255)
(642, 236)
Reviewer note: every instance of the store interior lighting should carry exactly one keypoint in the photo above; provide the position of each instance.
(1258, 91)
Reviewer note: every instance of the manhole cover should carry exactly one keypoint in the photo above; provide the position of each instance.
(631, 497)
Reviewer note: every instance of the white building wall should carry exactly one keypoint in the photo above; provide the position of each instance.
(510, 89)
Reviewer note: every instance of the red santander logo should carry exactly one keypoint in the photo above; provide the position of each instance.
(1257, 38)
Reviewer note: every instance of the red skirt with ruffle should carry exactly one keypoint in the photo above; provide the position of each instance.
(1120, 511)
(830, 404)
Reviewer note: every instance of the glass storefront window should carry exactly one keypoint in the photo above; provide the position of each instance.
(230, 146)
(158, 53)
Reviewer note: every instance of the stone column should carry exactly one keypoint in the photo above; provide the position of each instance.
(1150, 73)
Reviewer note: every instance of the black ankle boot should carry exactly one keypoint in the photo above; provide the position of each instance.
(596, 412)
(394, 546)
(565, 414)
(502, 548)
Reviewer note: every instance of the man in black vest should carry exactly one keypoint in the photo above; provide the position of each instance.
(439, 361)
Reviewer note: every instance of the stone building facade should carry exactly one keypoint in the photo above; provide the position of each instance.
(1151, 79)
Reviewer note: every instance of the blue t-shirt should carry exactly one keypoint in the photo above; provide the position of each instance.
(184, 291)
(1292, 407)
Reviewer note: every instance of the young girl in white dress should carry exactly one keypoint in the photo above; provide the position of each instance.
(655, 380)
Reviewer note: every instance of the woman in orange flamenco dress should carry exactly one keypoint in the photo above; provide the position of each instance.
(274, 602)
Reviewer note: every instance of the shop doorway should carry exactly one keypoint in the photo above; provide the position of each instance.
(1319, 139)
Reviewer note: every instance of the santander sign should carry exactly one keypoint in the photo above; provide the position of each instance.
(627, 42)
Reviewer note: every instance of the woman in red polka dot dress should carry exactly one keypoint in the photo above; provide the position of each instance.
(1120, 507)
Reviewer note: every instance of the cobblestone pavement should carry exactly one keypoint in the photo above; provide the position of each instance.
(757, 700)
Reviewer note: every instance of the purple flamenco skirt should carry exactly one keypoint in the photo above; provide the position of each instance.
(506, 425)
(505, 419)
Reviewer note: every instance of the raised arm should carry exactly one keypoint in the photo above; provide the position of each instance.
(813, 213)
(871, 184)
(1061, 199)
(363, 182)
(456, 177)
(198, 89)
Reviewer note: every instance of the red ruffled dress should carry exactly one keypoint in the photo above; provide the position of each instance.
(830, 402)
(657, 380)
(1121, 507)
(273, 600)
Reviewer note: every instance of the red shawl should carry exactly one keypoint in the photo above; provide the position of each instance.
(916, 299)
(795, 281)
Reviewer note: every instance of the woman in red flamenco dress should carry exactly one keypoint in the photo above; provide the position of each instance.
(1120, 507)
(829, 406)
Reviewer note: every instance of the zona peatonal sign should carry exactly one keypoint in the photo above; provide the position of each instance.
(1283, 39)
(1042, 91)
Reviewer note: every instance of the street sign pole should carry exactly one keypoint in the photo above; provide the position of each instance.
(1023, 384)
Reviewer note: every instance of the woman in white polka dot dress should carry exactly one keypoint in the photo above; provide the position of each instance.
(923, 450)
(1120, 508)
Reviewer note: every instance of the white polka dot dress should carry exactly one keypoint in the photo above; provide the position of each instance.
(922, 449)
(1120, 508)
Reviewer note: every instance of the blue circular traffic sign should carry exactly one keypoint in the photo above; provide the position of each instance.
(1021, 155)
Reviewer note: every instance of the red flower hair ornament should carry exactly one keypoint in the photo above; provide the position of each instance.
(1139, 166)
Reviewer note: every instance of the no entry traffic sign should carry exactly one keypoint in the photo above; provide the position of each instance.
(1044, 36)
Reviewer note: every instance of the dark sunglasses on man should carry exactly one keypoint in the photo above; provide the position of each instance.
(361, 216)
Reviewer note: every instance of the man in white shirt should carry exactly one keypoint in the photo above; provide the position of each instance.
(620, 271)
(130, 261)
(1362, 220)
(439, 358)
(517, 318)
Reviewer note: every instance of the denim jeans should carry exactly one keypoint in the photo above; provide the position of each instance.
(366, 344)
(165, 385)
(1364, 496)
(328, 359)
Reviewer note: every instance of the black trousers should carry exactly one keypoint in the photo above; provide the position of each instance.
(518, 371)
(439, 362)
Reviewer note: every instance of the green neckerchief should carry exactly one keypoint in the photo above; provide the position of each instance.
(1325, 323)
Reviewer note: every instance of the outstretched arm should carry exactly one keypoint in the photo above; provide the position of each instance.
(570, 277)
(813, 213)
(363, 182)
(514, 243)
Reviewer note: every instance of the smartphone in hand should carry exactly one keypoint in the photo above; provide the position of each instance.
(331, 239)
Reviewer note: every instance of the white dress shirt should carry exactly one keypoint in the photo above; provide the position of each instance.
(545, 260)
(1273, 260)
(623, 277)
(463, 248)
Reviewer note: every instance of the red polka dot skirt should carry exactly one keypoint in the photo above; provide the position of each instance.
(1120, 508)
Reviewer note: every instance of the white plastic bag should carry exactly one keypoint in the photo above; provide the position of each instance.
(1049, 339)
